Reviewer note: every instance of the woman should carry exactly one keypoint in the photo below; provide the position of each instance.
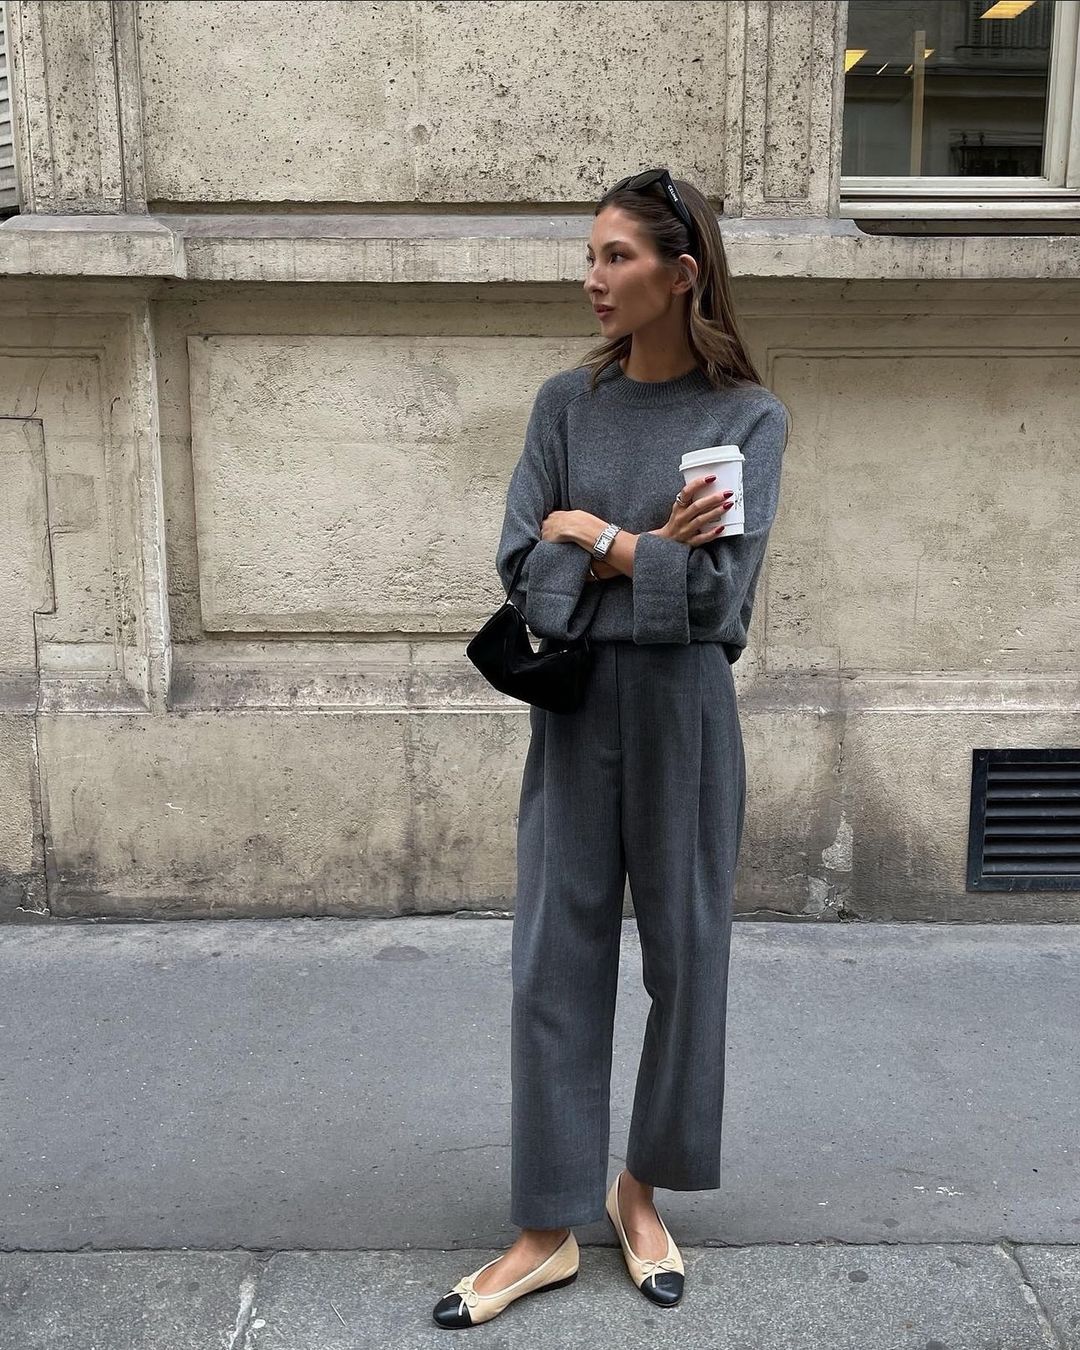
(647, 778)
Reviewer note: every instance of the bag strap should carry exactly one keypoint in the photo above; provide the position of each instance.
(517, 570)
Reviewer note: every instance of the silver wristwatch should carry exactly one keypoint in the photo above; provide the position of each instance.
(603, 541)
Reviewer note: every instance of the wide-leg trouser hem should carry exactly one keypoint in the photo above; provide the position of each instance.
(554, 1213)
(551, 1212)
(673, 1179)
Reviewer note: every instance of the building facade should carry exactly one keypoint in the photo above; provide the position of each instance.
(278, 283)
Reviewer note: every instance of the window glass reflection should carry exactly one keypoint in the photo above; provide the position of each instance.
(946, 87)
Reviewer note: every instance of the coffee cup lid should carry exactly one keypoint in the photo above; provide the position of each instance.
(712, 454)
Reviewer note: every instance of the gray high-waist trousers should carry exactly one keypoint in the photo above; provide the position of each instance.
(645, 780)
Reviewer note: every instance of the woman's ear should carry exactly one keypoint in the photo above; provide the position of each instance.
(688, 270)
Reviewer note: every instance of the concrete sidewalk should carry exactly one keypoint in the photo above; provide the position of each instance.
(294, 1133)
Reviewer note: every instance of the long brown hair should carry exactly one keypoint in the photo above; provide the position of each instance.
(711, 328)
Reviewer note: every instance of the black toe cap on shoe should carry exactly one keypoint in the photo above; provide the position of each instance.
(665, 1287)
(450, 1311)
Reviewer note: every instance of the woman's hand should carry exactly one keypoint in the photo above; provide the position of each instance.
(581, 528)
(568, 526)
(694, 522)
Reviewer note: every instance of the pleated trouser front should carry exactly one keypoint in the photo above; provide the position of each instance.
(645, 780)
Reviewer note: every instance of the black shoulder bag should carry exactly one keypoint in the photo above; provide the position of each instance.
(553, 677)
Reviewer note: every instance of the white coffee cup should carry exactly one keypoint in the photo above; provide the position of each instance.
(726, 462)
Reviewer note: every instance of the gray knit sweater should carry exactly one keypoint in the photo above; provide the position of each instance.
(615, 453)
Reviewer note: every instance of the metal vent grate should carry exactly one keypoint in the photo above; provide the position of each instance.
(1024, 829)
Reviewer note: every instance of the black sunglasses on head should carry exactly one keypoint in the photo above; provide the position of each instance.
(639, 182)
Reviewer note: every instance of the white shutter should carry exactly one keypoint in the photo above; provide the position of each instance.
(9, 197)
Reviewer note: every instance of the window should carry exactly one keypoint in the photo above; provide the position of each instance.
(961, 107)
(9, 196)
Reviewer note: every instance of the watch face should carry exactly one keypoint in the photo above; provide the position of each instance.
(604, 542)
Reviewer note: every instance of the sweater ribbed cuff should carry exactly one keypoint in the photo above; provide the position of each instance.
(559, 602)
(661, 611)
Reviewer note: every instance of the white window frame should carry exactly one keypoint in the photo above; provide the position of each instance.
(9, 184)
(1053, 195)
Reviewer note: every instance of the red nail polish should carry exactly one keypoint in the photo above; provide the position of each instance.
(711, 478)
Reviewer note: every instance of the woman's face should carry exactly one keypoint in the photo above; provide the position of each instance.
(624, 273)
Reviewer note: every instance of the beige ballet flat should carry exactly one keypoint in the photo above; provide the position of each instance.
(661, 1281)
(464, 1306)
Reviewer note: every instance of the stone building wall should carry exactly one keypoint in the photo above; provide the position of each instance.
(283, 282)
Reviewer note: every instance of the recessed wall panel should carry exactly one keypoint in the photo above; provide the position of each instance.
(928, 517)
(355, 483)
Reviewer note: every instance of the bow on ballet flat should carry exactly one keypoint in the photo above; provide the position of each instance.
(653, 1267)
(464, 1288)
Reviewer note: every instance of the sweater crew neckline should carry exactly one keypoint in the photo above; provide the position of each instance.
(656, 393)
